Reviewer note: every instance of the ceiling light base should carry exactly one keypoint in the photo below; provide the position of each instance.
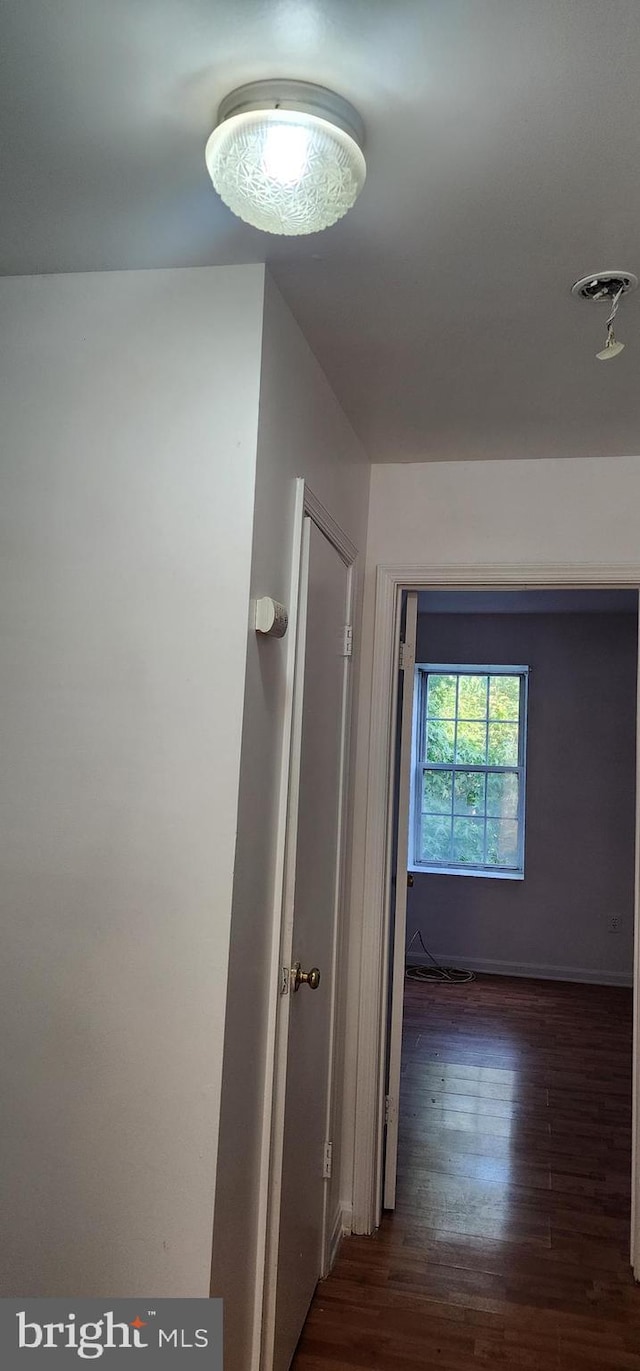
(604, 285)
(303, 97)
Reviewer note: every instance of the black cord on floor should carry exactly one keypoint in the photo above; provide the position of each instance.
(435, 974)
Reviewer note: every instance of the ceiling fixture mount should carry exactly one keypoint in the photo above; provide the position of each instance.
(286, 156)
(608, 287)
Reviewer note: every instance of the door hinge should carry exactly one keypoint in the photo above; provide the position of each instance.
(387, 1108)
(327, 1163)
(401, 656)
(347, 641)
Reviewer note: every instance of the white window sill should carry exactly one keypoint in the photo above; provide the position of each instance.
(470, 871)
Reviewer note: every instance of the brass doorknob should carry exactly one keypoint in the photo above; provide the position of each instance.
(310, 978)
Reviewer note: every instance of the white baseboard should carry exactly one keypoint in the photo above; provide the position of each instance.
(347, 1213)
(534, 971)
(340, 1226)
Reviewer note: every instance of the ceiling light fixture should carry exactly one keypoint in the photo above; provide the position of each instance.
(608, 287)
(286, 156)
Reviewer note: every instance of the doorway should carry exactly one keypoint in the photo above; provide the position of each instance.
(496, 759)
(375, 961)
(510, 1238)
(471, 801)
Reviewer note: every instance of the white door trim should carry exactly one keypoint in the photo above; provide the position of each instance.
(396, 970)
(306, 505)
(327, 525)
(374, 965)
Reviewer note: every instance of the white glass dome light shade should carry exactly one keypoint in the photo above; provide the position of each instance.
(286, 157)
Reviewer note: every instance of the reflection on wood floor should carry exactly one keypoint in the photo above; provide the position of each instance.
(509, 1247)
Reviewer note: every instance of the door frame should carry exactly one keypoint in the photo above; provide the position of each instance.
(404, 722)
(307, 505)
(375, 958)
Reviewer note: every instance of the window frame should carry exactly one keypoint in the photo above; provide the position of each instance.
(419, 766)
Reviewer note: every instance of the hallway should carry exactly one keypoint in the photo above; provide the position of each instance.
(509, 1246)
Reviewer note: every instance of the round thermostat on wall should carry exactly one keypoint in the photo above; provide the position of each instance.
(271, 617)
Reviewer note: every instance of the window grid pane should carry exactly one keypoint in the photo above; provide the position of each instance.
(471, 798)
(441, 695)
(473, 696)
(449, 794)
(469, 792)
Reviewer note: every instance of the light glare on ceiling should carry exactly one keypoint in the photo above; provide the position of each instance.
(286, 156)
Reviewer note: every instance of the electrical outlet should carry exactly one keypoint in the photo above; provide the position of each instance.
(614, 923)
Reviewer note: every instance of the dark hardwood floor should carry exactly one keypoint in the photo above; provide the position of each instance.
(509, 1247)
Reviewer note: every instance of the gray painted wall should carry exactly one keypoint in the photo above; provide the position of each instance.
(579, 861)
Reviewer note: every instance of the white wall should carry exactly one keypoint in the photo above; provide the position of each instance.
(302, 432)
(552, 510)
(129, 418)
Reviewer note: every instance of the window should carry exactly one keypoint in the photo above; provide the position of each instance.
(469, 769)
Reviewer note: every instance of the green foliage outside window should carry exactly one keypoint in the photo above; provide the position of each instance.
(470, 817)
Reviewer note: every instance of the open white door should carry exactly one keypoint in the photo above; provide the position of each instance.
(408, 662)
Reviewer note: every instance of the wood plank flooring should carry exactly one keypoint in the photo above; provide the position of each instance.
(509, 1247)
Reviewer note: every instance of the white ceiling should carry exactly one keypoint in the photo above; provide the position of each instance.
(503, 147)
